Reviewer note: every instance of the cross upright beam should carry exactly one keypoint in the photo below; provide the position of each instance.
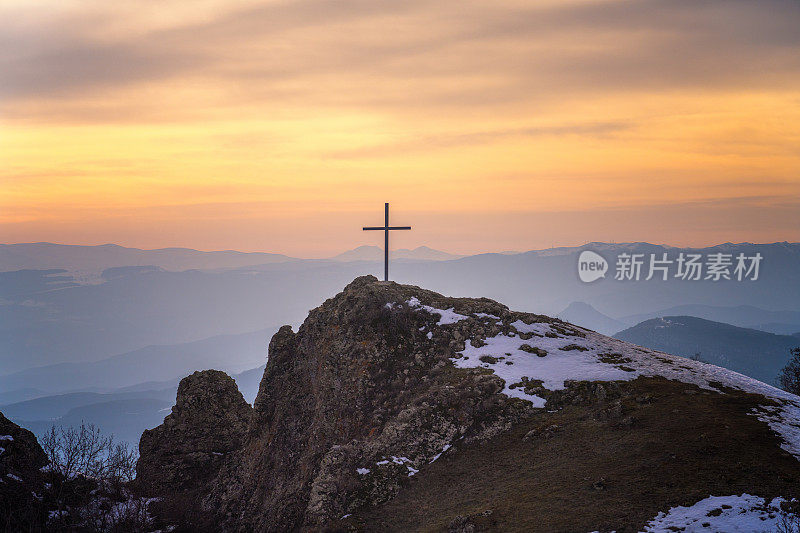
(386, 228)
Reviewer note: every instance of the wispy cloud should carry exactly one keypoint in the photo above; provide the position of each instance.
(237, 111)
(416, 53)
(436, 142)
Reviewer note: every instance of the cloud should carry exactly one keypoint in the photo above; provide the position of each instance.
(435, 142)
(410, 55)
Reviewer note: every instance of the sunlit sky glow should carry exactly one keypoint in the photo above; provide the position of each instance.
(284, 126)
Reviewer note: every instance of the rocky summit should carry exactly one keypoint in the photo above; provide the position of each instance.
(394, 408)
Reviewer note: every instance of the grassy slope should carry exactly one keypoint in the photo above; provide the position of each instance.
(598, 471)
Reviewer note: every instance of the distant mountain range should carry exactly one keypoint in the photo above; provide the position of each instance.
(232, 353)
(85, 263)
(45, 255)
(49, 317)
(778, 322)
(583, 314)
(747, 316)
(375, 253)
(757, 354)
(125, 413)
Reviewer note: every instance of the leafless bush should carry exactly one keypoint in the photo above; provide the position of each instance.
(788, 523)
(789, 378)
(788, 517)
(84, 451)
(107, 515)
(89, 473)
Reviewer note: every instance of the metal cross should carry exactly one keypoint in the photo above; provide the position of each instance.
(386, 228)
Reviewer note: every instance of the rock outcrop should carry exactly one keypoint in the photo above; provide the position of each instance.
(209, 420)
(21, 451)
(21, 459)
(361, 383)
(396, 408)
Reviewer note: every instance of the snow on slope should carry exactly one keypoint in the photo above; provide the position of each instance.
(727, 514)
(446, 316)
(556, 354)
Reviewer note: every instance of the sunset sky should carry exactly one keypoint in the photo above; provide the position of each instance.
(497, 125)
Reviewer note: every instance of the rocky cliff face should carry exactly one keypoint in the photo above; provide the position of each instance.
(209, 420)
(396, 408)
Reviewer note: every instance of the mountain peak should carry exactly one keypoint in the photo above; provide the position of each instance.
(385, 388)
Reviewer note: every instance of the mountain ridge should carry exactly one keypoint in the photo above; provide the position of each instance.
(388, 394)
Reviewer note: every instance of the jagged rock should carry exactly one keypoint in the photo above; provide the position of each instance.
(209, 420)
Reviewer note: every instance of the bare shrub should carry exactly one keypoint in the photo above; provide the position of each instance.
(788, 523)
(84, 451)
(89, 473)
(788, 517)
(789, 378)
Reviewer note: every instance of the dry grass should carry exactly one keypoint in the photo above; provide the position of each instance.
(669, 444)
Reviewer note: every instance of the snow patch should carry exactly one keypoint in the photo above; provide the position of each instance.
(785, 421)
(730, 514)
(398, 461)
(590, 356)
(15, 478)
(7, 437)
(446, 447)
(446, 316)
(363, 471)
(512, 362)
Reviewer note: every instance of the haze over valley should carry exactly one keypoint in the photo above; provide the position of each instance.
(116, 328)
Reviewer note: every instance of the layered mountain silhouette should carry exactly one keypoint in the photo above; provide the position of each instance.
(50, 316)
(746, 316)
(45, 255)
(587, 316)
(88, 260)
(375, 253)
(123, 413)
(234, 353)
(752, 352)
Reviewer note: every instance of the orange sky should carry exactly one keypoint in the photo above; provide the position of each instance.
(284, 126)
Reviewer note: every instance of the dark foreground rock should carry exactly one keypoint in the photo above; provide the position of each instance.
(373, 417)
(21, 459)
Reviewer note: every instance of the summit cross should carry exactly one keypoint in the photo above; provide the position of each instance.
(386, 228)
